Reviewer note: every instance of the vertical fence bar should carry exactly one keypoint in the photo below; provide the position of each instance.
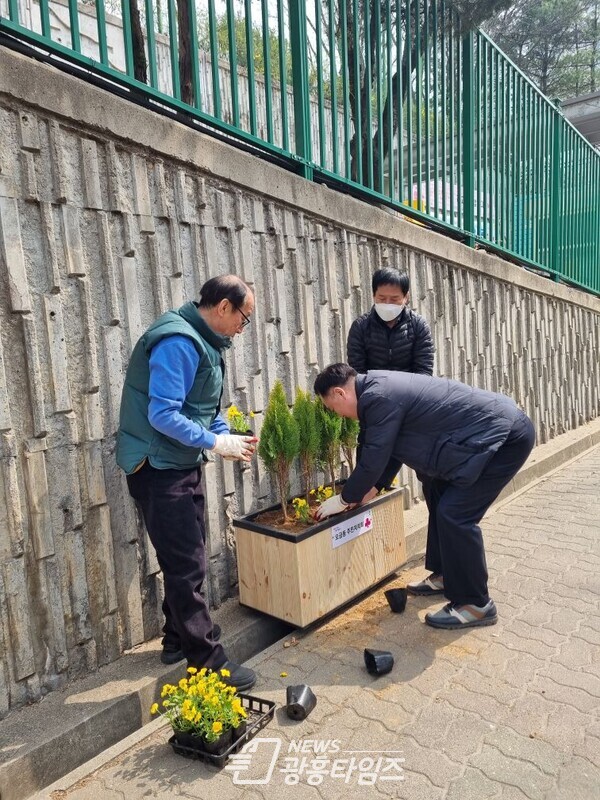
(505, 148)
(13, 10)
(333, 88)
(266, 40)
(233, 64)
(468, 121)
(74, 24)
(101, 25)
(418, 96)
(436, 131)
(497, 144)
(556, 207)
(320, 92)
(194, 55)
(483, 156)
(358, 148)
(173, 48)
(534, 192)
(514, 161)
(150, 39)
(390, 104)
(493, 89)
(452, 86)
(250, 60)
(459, 126)
(378, 96)
(548, 161)
(444, 114)
(127, 39)
(516, 211)
(477, 135)
(427, 83)
(285, 137)
(369, 84)
(345, 87)
(400, 103)
(214, 59)
(45, 18)
(297, 11)
(408, 44)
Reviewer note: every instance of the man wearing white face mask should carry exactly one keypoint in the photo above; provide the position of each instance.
(391, 335)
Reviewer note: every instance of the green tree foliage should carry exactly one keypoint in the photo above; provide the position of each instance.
(349, 439)
(308, 450)
(241, 50)
(555, 42)
(279, 442)
(329, 426)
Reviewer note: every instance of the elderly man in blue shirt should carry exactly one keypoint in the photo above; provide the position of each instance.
(169, 418)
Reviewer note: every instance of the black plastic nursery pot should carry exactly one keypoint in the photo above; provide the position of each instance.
(301, 577)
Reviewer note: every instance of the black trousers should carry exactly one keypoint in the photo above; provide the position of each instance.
(454, 541)
(172, 504)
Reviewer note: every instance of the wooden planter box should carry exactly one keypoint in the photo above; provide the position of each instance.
(301, 577)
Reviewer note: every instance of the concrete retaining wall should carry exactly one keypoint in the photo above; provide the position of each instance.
(110, 214)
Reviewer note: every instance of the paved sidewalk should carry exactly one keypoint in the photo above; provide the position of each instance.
(502, 713)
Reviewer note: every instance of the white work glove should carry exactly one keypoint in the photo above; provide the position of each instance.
(240, 448)
(333, 505)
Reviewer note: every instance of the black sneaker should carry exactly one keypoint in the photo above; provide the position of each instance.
(240, 677)
(173, 656)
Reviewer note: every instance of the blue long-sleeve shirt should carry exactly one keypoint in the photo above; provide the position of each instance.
(173, 365)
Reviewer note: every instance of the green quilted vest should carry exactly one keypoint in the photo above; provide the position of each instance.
(136, 438)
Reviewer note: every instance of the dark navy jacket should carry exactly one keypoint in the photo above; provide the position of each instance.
(407, 346)
(441, 428)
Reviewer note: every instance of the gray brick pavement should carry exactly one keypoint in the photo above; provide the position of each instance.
(510, 712)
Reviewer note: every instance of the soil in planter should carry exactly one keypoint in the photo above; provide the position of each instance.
(274, 519)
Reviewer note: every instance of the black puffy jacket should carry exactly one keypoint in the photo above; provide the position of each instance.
(405, 347)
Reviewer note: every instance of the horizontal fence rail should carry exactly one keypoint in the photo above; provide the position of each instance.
(394, 100)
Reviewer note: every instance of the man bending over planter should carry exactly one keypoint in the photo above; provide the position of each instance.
(469, 441)
(169, 417)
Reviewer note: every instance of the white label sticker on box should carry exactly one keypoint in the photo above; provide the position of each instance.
(351, 528)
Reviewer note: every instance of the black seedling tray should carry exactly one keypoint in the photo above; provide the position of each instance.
(259, 711)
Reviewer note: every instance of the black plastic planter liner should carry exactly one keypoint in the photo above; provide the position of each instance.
(260, 712)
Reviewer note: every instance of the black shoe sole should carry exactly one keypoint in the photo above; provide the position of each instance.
(477, 623)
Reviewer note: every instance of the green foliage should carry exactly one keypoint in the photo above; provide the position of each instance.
(240, 38)
(349, 439)
(304, 413)
(329, 426)
(555, 42)
(279, 441)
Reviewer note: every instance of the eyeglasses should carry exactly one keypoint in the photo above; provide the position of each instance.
(246, 319)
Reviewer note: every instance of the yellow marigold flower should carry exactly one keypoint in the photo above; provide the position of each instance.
(198, 717)
(225, 673)
(183, 684)
(284, 674)
(154, 708)
(217, 727)
(252, 414)
(192, 670)
(203, 672)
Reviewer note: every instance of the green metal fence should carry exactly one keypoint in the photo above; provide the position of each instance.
(393, 100)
